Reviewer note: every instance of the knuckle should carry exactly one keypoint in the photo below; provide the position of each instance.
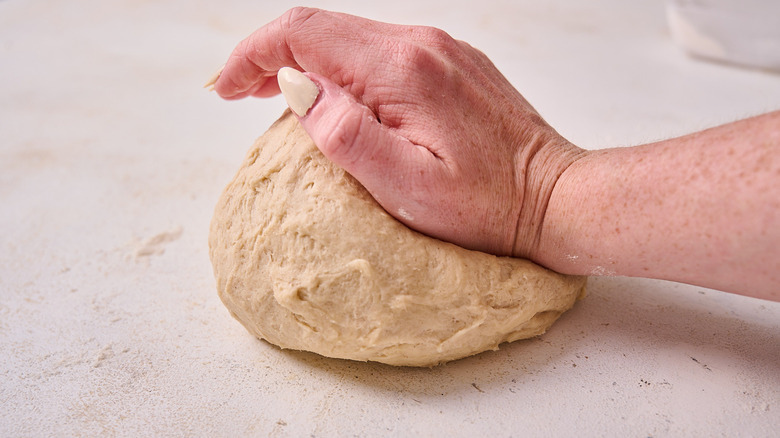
(428, 49)
(342, 140)
(436, 38)
(296, 17)
(414, 59)
(473, 52)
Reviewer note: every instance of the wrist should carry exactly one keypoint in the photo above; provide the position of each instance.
(561, 246)
(543, 171)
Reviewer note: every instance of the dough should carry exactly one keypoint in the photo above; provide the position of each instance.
(306, 259)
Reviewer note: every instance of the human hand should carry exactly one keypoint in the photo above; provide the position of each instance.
(425, 122)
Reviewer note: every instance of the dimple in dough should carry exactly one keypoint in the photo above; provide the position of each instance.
(306, 259)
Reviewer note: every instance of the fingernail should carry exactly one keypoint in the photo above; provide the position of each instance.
(213, 79)
(299, 91)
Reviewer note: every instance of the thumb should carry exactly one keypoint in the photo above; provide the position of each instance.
(348, 133)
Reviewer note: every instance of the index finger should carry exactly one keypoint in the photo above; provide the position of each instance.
(303, 38)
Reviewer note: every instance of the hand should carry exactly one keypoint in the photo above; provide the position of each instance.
(425, 122)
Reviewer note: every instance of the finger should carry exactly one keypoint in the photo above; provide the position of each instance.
(349, 134)
(227, 84)
(264, 52)
(306, 39)
(268, 89)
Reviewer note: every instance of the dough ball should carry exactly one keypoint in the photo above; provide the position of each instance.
(306, 259)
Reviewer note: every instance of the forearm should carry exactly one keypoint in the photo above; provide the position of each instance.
(701, 209)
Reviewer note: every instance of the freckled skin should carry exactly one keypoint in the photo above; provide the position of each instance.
(431, 128)
(701, 209)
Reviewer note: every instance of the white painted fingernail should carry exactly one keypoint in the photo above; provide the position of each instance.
(299, 91)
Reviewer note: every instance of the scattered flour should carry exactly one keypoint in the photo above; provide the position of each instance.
(155, 245)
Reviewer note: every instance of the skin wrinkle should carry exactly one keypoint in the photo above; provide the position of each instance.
(544, 204)
(530, 214)
(343, 136)
(296, 19)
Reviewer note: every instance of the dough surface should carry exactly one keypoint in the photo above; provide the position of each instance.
(306, 259)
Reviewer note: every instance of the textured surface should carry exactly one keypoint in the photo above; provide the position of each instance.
(112, 158)
(306, 259)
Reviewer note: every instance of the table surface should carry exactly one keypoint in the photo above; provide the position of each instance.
(112, 157)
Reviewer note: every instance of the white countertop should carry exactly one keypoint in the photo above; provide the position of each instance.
(112, 157)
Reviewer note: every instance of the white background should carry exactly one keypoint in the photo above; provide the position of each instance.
(112, 157)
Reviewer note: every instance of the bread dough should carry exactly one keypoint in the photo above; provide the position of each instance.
(306, 259)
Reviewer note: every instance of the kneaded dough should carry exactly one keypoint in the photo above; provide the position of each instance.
(306, 259)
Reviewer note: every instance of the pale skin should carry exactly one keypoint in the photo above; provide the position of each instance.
(449, 147)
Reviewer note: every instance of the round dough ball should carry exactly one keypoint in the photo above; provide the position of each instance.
(306, 259)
